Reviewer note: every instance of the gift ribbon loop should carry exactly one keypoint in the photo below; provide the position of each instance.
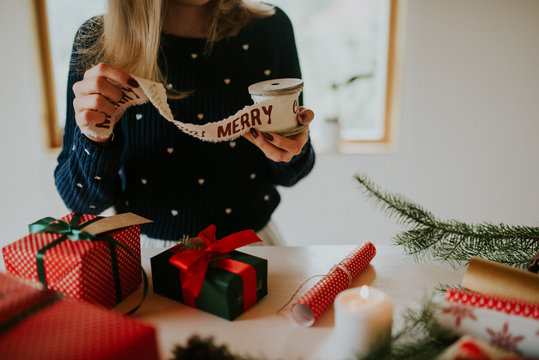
(72, 231)
(193, 264)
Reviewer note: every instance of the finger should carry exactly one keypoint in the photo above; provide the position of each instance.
(292, 145)
(305, 116)
(98, 85)
(271, 151)
(302, 137)
(118, 76)
(86, 117)
(251, 135)
(94, 102)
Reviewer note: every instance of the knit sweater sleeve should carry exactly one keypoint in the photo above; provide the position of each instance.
(86, 175)
(282, 173)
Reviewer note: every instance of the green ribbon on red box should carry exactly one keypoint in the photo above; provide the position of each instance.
(193, 264)
(72, 231)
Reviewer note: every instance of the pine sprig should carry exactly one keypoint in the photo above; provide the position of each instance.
(420, 338)
(455, 242)
(186, 244)
(441, 288)
(198, 348)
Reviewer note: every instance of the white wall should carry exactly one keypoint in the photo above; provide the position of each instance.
(467, 146)
(26, 186)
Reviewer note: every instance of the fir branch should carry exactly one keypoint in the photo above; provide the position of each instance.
(198, 348)
(453, 241)
(186, 244)
(441, 288)
(195, 243)
(421, 336)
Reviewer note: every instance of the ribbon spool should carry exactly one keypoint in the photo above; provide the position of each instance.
(275, 110)
(285, 93)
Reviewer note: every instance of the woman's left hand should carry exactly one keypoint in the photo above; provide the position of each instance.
(279, 148)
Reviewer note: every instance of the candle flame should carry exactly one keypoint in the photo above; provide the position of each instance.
(364, 292)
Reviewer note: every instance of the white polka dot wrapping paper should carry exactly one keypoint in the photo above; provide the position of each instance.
(275, 109)
(82, 269)
(310, 306)
(36, 324)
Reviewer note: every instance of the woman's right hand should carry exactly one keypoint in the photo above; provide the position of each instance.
(96, 97)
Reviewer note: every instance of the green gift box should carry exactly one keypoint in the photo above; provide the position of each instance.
(213, 277)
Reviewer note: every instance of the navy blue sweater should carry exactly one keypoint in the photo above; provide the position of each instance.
(181, 183)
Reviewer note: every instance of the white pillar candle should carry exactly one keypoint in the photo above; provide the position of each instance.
(363, 317)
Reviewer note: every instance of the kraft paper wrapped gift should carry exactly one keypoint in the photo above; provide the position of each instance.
(82, 256)
(37, 324)
(214, 278)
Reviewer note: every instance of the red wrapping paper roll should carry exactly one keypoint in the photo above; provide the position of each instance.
(311, 305)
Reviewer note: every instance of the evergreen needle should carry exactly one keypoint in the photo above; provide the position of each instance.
(453, 241)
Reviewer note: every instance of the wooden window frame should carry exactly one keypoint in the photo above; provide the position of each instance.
(393, 79)
(50, 115)
(395, 56)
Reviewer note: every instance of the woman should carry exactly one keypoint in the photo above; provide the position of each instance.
(208, 52)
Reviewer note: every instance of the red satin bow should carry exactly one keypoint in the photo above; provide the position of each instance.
(194, 263)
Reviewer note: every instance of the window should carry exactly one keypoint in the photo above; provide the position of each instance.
(347, 54)
(346, 49)
(60, 19)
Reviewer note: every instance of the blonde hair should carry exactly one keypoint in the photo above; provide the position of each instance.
(130, 33)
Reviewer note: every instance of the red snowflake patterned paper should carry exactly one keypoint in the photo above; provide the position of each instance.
(311, 305)
(79, 269)
(459, 313)
(497, 303)
(504, 339)
(514, 333)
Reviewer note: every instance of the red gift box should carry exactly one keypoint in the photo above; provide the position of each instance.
(96, 271)
(37, 324)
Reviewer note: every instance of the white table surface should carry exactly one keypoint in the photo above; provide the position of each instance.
(261, 331)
